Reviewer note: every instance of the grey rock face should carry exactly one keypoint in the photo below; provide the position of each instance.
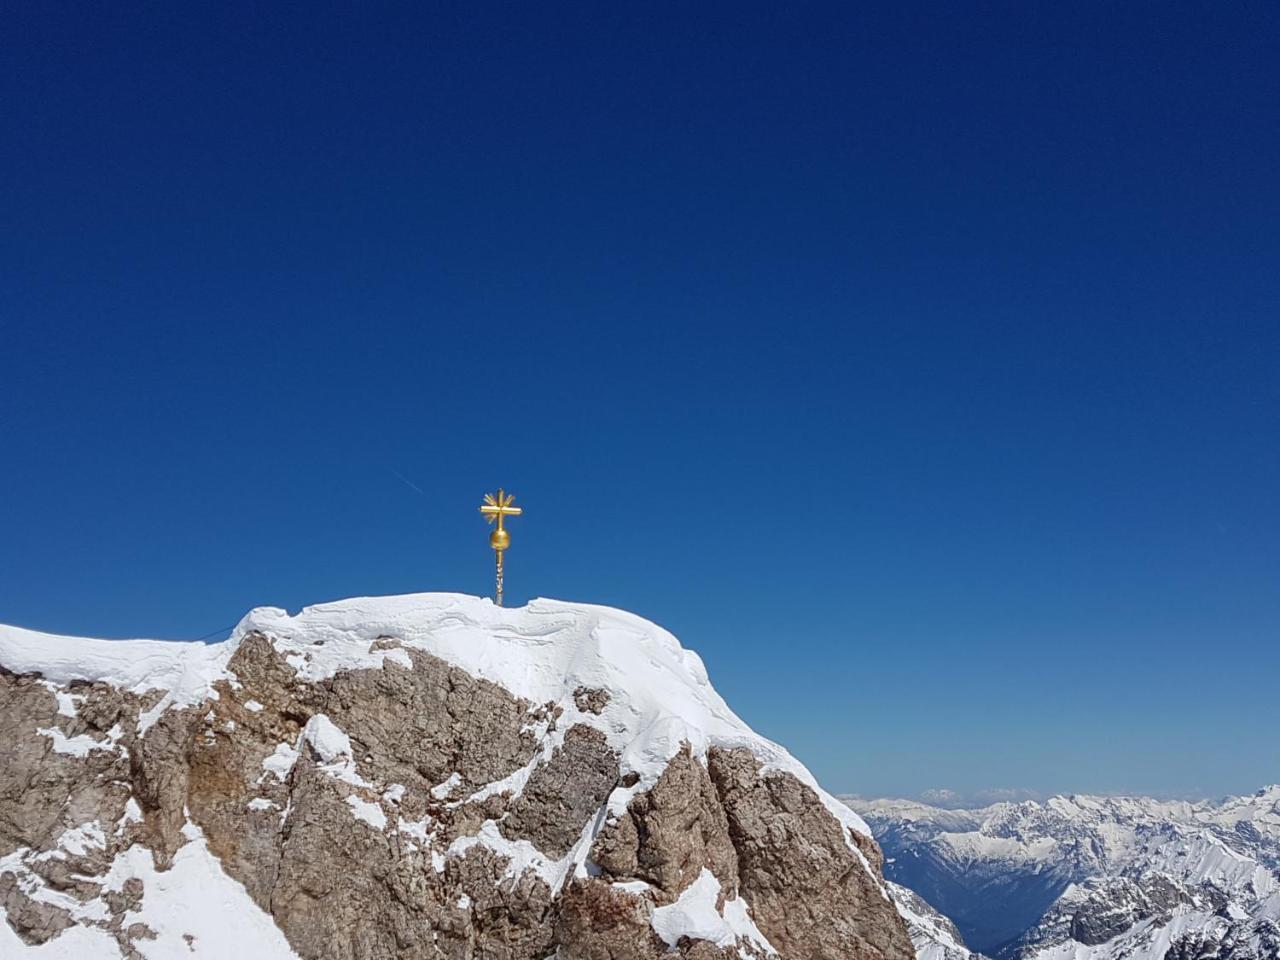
(449, 827)
(804, 884)
(670, 833)
(1112, 907)
(42, 791)
(33, 921)
(564, 793)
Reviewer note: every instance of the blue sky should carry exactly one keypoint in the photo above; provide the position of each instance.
(916, 364)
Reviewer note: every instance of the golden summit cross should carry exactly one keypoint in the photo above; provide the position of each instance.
(495, 508)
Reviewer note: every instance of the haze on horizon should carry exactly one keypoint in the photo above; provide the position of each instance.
(918, 366)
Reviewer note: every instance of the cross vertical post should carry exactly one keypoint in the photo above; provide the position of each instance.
(496, 508)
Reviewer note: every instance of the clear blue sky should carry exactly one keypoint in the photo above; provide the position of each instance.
(919, 365)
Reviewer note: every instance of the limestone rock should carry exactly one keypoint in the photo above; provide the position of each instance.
(426, 777)
(810, 894)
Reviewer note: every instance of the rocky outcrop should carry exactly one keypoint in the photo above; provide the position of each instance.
(564, 793)
(793, 853)
(410, 809)
(669, 833)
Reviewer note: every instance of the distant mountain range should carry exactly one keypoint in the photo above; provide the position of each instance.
(1092, 878)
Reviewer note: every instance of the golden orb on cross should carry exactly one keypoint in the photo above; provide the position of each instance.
(496, 508)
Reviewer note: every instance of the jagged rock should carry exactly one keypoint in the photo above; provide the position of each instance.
(43, 790)
(564, 793)
(423, 724)
(591, 699)
(32, 920)
(809, 893)
(670, 833)
(598, 922)
(375, 791)
(159, 774)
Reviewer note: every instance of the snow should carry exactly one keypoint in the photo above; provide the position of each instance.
(132, 813)
(325, 739)
(659, 694)
(394, 793)
(78, 841)
(929, 934)
(738, 917)
(279, 763)
(521, 854)
(659, 698)
(196, 898)
(442, 790)
(695, 915)
(975, 846)
(1105, 844)
(74, 943)
(419, 830)
(333, 747)
(67, 702)
(370, 813)
(185, 671)
(1149, 938)
(83, 744)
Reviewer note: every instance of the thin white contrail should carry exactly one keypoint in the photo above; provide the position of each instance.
(407, 482)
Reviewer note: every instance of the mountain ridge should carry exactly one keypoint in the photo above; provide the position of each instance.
(420, 776)
(1094, 877)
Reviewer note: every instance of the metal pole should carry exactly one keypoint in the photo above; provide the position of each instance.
(500, 552)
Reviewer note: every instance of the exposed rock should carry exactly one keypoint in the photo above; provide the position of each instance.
(808, 891)
(564, 793)
(159, 773)
(591, 699)
(599, 922)
(33, 921)
(397, 806)
(44, 791)
(670, 833)
(424, 724)
(870, 849)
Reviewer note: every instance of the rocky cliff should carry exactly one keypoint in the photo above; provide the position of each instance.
(413, 777)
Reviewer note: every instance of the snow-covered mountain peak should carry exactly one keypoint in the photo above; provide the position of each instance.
(427, 770)
(658, 693)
